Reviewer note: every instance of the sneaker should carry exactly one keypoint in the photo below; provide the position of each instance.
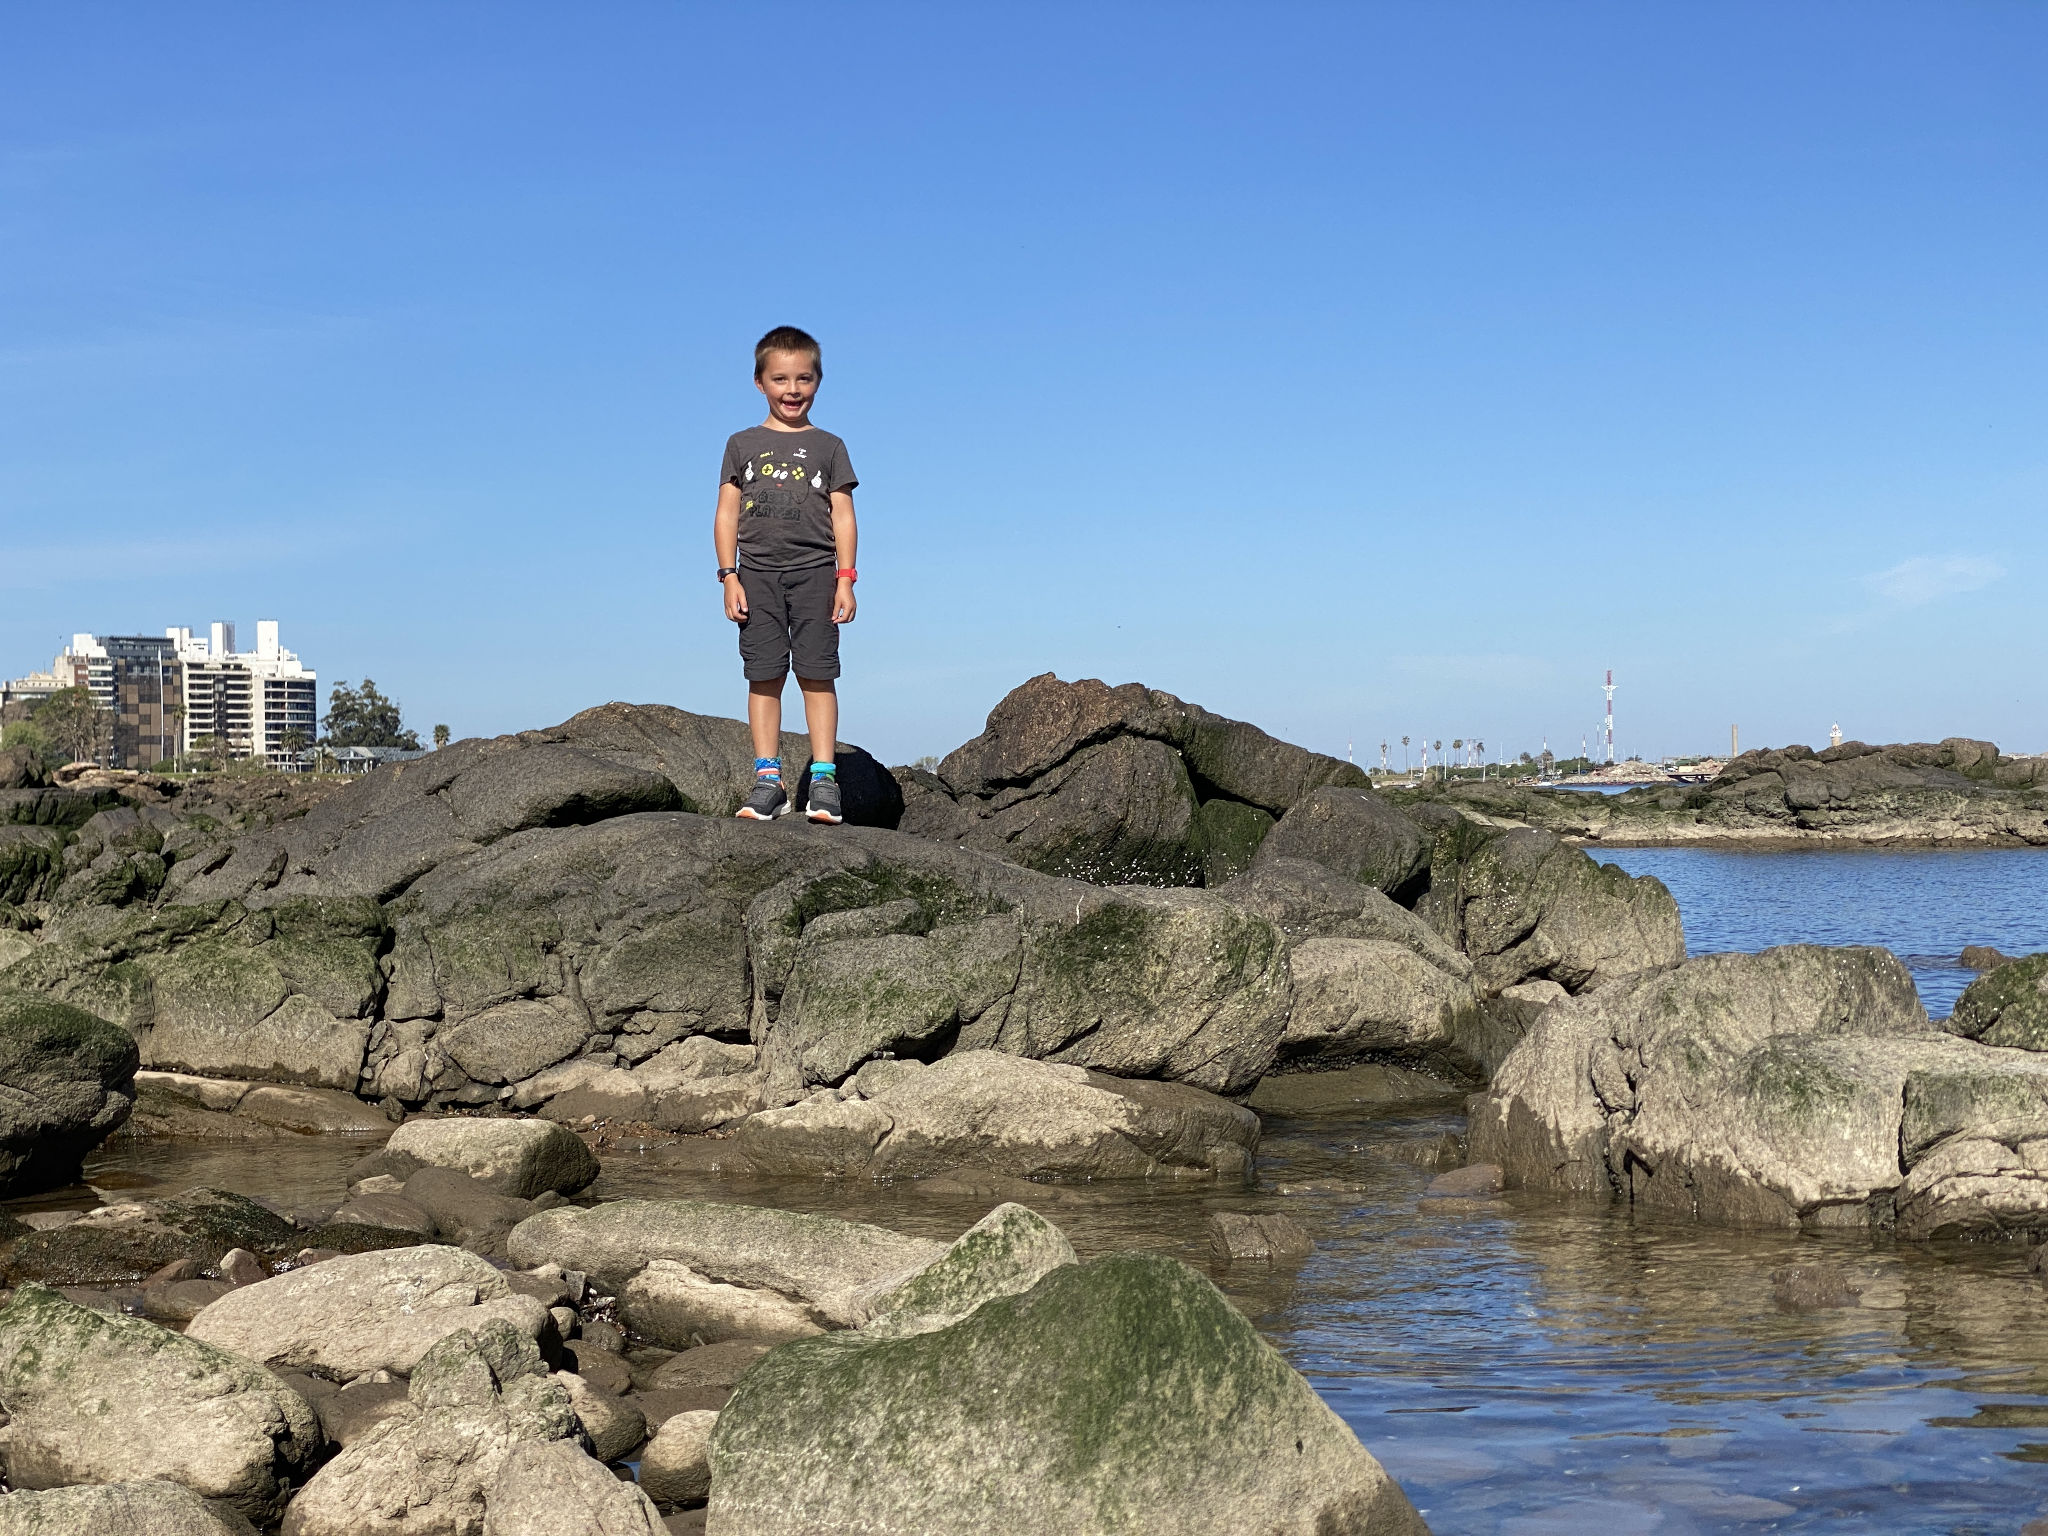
(766, 802)
(824, 806)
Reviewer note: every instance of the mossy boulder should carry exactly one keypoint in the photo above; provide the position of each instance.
(69, 1081)
(1227, 836)
(1799, 1087)
(1356, 834)
(1125, 1395)
(1005, 1253)
(123, 1243)
(2007, 1006)
(31, 862)
(95, 1397)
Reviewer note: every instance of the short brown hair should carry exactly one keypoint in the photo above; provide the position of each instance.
(787, 338)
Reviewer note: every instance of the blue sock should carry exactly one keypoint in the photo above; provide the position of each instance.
(768, 768)
(824, 770)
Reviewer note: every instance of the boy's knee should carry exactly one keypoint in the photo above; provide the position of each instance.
(817, 685)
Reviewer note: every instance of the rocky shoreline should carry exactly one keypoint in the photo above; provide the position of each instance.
(1952, 794)
(1093, 946)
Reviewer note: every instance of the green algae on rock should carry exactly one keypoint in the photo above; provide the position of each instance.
(2007, 1006)
(94, 1397)
(67, 1081)
(1125, 1395)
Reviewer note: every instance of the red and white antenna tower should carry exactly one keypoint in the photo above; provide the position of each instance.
(1610, 714)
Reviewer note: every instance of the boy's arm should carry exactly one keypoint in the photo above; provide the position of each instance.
(846, 539)
(725, 536)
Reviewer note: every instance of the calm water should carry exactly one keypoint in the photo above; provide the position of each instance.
(1923, 904)
(1530, 1368)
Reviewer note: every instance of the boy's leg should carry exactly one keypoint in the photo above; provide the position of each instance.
(764, 715)
(814, 653)
(821, 717)
(764, 653)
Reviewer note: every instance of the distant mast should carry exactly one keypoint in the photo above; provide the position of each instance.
(1610, 714)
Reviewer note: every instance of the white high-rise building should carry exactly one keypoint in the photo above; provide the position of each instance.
(165, 696)
(247, 701)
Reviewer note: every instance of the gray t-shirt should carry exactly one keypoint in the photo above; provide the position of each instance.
(786, 481)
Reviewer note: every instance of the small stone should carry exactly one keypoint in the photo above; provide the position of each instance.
(177, 1269)
(566, 1322)
(378, 1184)
(600, 1367)
(714, 1365)
(675, 1466)
(1812, 1288)
(315, 1256)
(609, 1337)
(1982, 957)
(1244, 1235)
(1469, 1183)
(239, 1266)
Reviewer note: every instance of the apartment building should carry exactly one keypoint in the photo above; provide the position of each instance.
(166, 697)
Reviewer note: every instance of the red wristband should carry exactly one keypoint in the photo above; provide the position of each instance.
(848, 573)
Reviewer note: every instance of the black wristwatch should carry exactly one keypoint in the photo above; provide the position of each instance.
(727, 570)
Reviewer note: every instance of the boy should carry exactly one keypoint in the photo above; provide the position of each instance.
(786, 541)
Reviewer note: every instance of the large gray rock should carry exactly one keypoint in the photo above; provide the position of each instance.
(1369, 999)
(67, 1081)
(991, 1110)
(367, 1311)
(476, 1399)
(1126, 1394)
(834, 1266)
(515, 1158)
(95, 1397)
(143, 1508)
(1523, 905)
(1353, 833)
(553, 1489)
(671, 1305)
(1801, 1086)
(921, 953)
(1122, 785)
(2007, 1006)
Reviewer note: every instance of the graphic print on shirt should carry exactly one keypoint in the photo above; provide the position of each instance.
(779, 487)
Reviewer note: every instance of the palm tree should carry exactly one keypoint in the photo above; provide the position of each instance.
(1457, 745)
(291, 742)
(1440, 754)
(440, 737)
(1404, 754)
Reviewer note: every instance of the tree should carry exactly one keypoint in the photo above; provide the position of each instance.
(34, 740)
(363, 717)
(291, 741)
(75, 723)
(1404, 754)
(441, 734)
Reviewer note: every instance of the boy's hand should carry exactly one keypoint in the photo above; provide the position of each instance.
(843, 605)
(735, 600)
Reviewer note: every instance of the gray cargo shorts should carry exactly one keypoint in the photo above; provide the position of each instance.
(789, 617)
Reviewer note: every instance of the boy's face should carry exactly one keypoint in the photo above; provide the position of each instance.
(790, 381)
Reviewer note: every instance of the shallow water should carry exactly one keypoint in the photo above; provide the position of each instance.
(1924, 904)
(1528, 1367)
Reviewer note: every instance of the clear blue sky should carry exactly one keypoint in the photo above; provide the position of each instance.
(1353, 369)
